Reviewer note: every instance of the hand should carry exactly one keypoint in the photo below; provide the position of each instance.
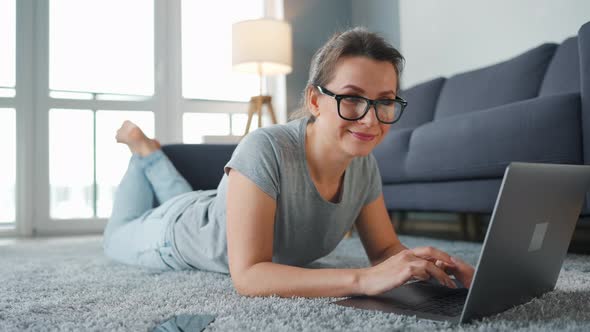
(407, 264)
(462, 271)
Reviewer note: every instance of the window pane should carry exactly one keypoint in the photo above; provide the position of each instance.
(71, 176)
(7, 42)
(239, 122)
(102, 46)
(8, 164)
(197, 125)
(112, 158)
(206, 49)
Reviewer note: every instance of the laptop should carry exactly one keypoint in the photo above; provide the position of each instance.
(531, 226)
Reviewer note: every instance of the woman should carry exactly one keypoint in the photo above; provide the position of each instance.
(288, 194)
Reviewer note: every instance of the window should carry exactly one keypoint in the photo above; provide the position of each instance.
(94, 48)
(8, 165)
(97, 74)
(71, 163)
(8, 47)
(7, 111)
(82, 183)
(206, 49)
(86, 66)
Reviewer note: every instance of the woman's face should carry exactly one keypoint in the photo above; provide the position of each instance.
(359, 76)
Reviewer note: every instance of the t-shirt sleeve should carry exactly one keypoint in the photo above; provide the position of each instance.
(375, 186)
(255, 157)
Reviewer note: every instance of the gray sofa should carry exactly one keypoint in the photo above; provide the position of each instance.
(449, 151)
(451, 147)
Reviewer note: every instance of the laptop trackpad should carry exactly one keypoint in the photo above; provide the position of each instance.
(415, 293)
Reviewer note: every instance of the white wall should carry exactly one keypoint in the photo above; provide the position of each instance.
(379, 16)
(441, 38)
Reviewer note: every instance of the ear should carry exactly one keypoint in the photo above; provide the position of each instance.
(312, 101)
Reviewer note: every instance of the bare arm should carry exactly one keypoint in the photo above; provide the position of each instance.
(381, 242)
(377, 233)
(250, 231)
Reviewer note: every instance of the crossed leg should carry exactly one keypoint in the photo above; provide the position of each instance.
(135, 231)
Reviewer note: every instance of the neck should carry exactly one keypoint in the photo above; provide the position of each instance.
(326, 163)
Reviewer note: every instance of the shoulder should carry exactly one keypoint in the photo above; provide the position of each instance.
(274, 137)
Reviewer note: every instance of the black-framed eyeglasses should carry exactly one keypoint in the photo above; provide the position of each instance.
(353, 108)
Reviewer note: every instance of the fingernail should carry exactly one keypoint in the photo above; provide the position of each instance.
(454, 260)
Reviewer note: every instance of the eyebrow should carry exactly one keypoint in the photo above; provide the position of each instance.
(360, 90)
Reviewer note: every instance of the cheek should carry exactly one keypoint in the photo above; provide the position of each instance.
(384, 130)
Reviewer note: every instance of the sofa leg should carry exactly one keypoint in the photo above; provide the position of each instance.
(397, 219)
(463, 225)
(471, 226)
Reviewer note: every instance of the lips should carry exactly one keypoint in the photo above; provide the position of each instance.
(362, 136)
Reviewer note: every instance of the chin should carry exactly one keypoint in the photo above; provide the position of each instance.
(357, 150)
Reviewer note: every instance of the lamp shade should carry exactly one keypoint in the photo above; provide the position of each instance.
(262, 46)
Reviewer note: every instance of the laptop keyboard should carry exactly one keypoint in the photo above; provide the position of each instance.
(446, 305)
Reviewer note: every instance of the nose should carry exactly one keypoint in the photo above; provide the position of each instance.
(370, 119)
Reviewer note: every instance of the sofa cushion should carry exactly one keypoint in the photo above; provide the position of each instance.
(391, 154)
(513, 80)
(474, 196)
(200, 164)
(481, 144)
(563, 74)
(421, 100)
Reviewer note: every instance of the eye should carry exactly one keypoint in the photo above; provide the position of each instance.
(352, 100)
(387, 102)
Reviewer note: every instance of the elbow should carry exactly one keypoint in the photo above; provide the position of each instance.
(242, 288)
(249, 290)
(245, 287)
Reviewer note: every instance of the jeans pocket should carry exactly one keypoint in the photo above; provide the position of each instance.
(150, 259)
(169, 259)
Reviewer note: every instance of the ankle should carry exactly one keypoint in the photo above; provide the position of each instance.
(148, 147)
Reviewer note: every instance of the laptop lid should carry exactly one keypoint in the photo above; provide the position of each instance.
(531, 226)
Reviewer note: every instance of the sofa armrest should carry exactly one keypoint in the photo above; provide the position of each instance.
(584, 49)
(200, 164)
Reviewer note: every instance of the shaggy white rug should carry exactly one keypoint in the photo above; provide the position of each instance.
(69, 285)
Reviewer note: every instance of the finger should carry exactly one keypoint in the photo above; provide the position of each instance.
(464, 272)
(431, 253)
(421, 274)
(446, 267)
(439, 274)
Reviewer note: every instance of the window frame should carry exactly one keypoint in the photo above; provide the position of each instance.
(32, 104)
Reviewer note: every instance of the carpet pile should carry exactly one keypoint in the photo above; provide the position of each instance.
(67, 284)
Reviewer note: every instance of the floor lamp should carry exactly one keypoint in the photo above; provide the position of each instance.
(262, 47)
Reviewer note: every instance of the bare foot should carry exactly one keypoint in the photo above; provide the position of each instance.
(136, 140)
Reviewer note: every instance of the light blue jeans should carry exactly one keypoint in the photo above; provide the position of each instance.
(137, 233)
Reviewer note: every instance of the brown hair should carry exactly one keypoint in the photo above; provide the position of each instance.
(357, 41)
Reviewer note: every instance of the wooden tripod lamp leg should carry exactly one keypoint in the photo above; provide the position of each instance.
(259, 111)
(271, 111)
(255, 107)
(251, 110)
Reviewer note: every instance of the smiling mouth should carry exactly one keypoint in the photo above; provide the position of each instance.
(363, 137)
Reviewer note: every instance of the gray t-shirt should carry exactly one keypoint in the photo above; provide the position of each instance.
(307, 226)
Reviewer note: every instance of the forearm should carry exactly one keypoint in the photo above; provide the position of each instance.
(390, 251)
(267, 278)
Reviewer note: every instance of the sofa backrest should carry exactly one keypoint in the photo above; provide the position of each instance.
(563, 74)
(200, 164)
(421, 100)
(513, 80)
